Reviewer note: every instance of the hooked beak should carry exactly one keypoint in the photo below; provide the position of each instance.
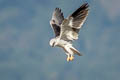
(53, 45)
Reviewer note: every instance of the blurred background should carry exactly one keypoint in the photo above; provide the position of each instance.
(25, 32)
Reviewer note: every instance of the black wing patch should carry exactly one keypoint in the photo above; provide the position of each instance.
(56, 29)
(78, 17)
(56, 21)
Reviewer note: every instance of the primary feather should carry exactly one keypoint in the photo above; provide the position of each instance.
(56, 21)
(70, 27)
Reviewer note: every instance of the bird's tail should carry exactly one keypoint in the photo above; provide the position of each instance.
(76, 51)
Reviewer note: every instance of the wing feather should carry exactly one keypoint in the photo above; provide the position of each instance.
(56, 21)
(77, 18)
(71, 26)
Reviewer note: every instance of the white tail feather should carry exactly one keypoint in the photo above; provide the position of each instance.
(76, 51)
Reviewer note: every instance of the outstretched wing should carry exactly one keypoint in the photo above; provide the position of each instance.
(55, 22)
(77, 18)
(71, 26)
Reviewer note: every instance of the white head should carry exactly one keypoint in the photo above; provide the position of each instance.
(52, 42)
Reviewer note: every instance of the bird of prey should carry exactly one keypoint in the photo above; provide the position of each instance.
(67, 29)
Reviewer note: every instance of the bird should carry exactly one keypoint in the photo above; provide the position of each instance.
(66, 30)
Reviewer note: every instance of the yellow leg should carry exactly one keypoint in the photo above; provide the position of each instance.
(71, 58)
(68, 59)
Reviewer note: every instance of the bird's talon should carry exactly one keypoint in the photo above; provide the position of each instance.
(68, 59)
(71, 58)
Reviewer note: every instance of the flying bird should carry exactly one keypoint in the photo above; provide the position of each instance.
(67, 29)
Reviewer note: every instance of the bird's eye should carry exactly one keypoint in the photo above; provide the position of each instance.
(53, 21)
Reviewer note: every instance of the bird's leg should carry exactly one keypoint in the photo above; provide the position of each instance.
(68, 57)
(71, 58)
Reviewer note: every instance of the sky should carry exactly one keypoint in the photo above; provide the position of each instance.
(25, 53)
